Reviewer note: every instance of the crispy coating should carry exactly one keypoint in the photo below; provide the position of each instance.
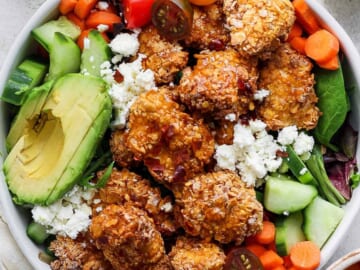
(121, 154)
(127, 237)
(173, 145)
(208, 31)
(163, 57)
(195, 254)
(77, 254)
(125, 186)
(292, 99)
(219, 206)
(220, 83)
(258, 25)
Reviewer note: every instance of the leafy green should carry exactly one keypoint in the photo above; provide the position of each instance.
(333, 103)
(355, 180)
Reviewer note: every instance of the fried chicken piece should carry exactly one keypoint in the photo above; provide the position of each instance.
(219, 206)
(173, 145)
(77, 254)
(121, 154)
(258, 25)
(125, 186)
(127, 237)
(163, 57)
(195, 254)
(292, 99)
(220, 83)
(208, 31)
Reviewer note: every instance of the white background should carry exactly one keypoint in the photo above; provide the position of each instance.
(14, 15)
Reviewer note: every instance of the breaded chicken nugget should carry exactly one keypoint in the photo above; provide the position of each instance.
(219, 206)
(258, 25)
(220, 83)
(195, 254)
(127, 237)
(163, 57)
(173, 145)
(208, 31)
(121, 154)
(292, 99)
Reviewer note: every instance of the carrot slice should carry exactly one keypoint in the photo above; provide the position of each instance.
(67, 6)
(298, 44)
(76, 20)
(267, 234)
(305, 16)
(279, 267)
(83, 7)
(84, 34)
(270, 259)
(102, 17)
(256, 249)
(305, 255)
(295, 31)
(322, 46)
(332, 64)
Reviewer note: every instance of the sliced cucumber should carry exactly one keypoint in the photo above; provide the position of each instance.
(65, 57)
(95, 53)
(283, 196)
(298, 167)
(44, 34)
(37, 233)
(288, 232)
(320, 220)
(26, 76)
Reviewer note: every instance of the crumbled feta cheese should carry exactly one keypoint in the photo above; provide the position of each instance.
(102, 5)
(136, 81)
(303, 171)
(230, 117)
(260, 94)
(102, 27)
(252, 154)
(167, 207)
(86, 43)
(68, 216)
(288, 135)
(303, 144)
(124, 44)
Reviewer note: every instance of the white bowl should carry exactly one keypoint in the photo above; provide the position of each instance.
(17, 218)
(346, 261)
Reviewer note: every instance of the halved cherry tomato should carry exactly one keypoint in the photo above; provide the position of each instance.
(241, 258)
(202, 2)
(137, 12)
(172, 18)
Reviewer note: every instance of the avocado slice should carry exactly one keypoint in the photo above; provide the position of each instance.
(58, 140)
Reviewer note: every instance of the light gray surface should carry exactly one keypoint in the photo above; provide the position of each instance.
(15, 13)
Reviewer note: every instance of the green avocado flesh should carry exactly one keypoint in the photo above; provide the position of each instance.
(53, 139)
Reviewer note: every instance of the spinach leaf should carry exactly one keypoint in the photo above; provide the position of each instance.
(333, 103)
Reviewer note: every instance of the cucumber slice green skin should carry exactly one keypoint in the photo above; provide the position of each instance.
(26, 76)
(288, 232)
(320, 220)
(37, 233)
(94, 54)
(65, 57)
(44, 34)
(283, 196)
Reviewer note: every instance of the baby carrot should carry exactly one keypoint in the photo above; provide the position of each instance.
(298, 44)
(257, 249)
(67, 6)
(102, 17)
(295, 31)
(321, 46)
(305, 16)
(267, 234)
(270, 259)
(83, 7)
(76, 20)
(332, 64)
(305, 255)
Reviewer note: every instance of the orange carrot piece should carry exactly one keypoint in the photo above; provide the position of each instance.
(83, 7)
(295, 31)
(322, 46)
(270, 259)
(75, 19)
(305, 16)
(279, 267)
(102, 17)
(332, 64)
(267, 234)
(84, 34)
(298, 44)
(305, 255)
(256, 249)
(66, 6)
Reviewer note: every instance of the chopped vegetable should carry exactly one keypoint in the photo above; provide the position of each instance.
(257, 249)
(322, 46)
(104, 18)
(295, 31)
(84, 34)
(305, 16)
(76, 20)
(202, 2)
(137, 13)
(270, 259)
(172, 18)
(267, 234)
(305, 255)
(298, 44)
(241, 258)
(66, 6)
(83, 7)
(332, 64)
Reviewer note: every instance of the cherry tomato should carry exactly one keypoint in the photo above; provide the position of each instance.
(137, 12)
(202, 2)
(172, 18)
(240, 258)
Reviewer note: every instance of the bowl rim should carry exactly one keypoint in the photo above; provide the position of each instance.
(346, 261)
(14, 219)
